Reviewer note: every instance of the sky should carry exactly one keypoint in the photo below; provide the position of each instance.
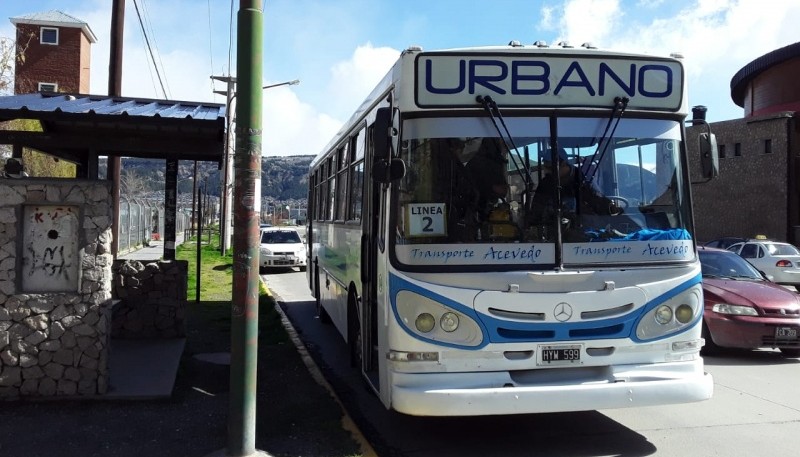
(339, 49)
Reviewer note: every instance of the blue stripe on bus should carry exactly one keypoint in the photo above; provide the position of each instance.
(496, 330)
(397, 284)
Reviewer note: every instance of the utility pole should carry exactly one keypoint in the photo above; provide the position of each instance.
(246, 206)
(115, 90)
(227, 164)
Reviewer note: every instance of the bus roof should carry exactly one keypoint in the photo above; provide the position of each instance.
(527, 77)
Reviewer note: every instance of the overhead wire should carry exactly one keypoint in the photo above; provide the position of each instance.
(230, 40)
(210, 46)
(146, 16)
(149, 48)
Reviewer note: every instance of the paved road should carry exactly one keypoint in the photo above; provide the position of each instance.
(755, 410)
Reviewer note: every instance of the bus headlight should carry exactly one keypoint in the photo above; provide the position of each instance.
(663, 314)
(436, 322)
(671, 316)
(425, 322)
(449, 322)
(684, 314)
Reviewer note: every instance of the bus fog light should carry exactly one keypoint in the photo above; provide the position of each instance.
(425, 322)
(449, 322)
(663, 314)
(684, 314)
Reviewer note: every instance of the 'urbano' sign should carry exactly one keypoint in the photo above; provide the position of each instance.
(531, 81)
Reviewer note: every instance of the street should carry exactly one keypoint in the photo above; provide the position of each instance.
(755, 409)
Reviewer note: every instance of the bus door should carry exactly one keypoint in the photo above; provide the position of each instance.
(370, 238)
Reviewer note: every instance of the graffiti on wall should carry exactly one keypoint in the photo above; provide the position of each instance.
(50, 248)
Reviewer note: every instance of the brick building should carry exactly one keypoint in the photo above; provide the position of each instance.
(54, 53)
(758, 188)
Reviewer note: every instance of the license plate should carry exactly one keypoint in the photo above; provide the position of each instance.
(786, 333)
(560, 354)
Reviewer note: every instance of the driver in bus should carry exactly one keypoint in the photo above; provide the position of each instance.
(577, 194)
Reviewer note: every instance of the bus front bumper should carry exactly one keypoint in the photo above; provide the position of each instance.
(545, 391)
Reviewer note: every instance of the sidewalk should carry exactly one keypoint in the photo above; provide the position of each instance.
(296, 416)
(154, 251)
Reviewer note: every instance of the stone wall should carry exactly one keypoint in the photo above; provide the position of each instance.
(55, 287)
(152, 299)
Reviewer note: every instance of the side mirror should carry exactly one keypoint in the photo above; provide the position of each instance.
(394, 133)
(386, 172)
(709, 155)
(384, 131)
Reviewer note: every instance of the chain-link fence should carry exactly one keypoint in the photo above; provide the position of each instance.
(141, 222)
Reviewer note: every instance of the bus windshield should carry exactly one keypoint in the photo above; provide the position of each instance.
(603, 196)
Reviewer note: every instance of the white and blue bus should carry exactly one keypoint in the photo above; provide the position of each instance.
(501, 230)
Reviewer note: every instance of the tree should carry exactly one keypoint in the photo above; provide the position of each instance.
(7, 51)
(36, 163)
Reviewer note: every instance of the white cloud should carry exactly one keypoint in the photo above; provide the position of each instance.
(353, 79)
(717, 38)
(292, 127)
(589, 20)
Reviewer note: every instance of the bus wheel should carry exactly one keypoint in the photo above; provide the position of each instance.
(354, 335)
(790, 352)
(710, 348)
(323, 315)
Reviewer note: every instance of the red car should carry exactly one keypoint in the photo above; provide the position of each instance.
(745, 310)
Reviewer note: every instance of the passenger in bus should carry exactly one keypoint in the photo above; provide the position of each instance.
(487, 169)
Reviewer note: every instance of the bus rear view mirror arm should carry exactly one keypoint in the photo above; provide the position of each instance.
(386, 172)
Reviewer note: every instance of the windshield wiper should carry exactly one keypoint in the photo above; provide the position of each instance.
(620, 104)
(494, 112)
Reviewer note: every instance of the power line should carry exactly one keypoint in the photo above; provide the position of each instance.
(149, 48)
(210, 45)
(230, 39)
(149, 25)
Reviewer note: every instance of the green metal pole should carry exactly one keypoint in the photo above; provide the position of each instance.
(246, 206)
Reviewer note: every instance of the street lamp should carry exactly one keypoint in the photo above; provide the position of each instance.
(226, 193)
(293, 82)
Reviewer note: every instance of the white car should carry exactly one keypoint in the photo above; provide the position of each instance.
(281, 247)
(778, 260)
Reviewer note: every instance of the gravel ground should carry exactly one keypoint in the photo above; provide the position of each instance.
(295, 415)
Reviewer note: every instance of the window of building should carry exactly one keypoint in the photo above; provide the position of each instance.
(48, 35)
(722, 151)
(768, 146)
(48, 87)
(737, 149)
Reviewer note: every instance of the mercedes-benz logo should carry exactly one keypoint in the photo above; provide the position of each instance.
(562, 312)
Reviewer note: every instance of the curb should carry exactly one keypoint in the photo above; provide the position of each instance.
(347, 422)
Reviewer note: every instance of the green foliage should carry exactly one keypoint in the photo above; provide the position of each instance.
(216, 271)
(37, 163)
(216, 288)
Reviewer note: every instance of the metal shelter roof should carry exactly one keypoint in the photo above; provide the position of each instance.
(79, 127)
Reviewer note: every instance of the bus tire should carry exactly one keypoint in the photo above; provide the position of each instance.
(323, 315)
(710, 348)
(353, 333)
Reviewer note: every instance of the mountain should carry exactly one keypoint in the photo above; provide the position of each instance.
(282, 178)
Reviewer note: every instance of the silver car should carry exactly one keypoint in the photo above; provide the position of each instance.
(778, 260)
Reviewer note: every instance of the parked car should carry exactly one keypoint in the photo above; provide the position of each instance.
(745, 310)
(724, 242)
(778, 260)
(281, 247)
